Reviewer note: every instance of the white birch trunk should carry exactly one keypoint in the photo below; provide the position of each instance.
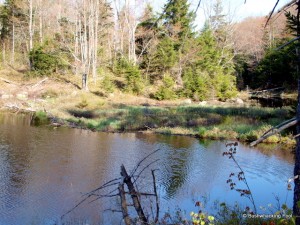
(30, 25)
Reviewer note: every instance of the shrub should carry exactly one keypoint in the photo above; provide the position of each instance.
(134, 83)
(165, 91)
(82, 104)
(44, 60)
(107, 84)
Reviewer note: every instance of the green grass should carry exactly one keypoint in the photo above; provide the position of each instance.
(237, 123)
(40, 118)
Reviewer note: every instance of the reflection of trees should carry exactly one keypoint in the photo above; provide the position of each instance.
(14, 155)
(171, 140)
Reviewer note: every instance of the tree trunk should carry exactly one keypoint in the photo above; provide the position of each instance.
(40, 22)
(296, 206)
(30, 25)
(3, 52)
(134, 196)
(84, 82)
(95, 39)
(13, 44)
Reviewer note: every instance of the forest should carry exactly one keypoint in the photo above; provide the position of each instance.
(129, 47)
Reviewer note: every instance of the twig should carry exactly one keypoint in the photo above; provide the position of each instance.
(141, 161)
(88, 195)
(197, 6)
(241, 177)
(271, 13)
(137, 177)
(77, 205)
(108, 195)
(246, 183)
(107, 184)
(102, 196)
(112, 210)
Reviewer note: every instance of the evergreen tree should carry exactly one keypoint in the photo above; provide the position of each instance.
(164, 58)
(210, 75)
(178, 20)
(277, 68)
(146, 39)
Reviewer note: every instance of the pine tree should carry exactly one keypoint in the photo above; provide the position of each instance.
(178, 19)
(209, 75)
(164, 58)
(146, 38)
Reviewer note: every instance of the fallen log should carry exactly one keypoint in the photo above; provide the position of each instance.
(39, 83)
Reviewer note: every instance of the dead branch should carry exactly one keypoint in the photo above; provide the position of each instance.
(280, 125)
(275, 130)
(156, 197)
(107, 184)
(112, 210)
(287, 43)
(140, 162)
(88, 195)
(271, 13)
(134, 196)
(108, 195)
(126, 217)
(147, 166)
(119, 191)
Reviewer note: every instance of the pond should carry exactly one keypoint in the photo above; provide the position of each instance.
(44, 172)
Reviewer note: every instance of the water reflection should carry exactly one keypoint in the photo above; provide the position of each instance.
(275, 102)
(44, 171)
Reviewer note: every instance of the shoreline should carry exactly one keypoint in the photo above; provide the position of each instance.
(215, 133)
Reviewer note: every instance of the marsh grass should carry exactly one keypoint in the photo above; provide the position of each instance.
(245, 124)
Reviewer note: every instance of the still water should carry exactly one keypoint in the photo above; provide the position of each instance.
(45, 171)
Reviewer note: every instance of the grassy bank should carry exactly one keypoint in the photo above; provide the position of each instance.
(234, 123)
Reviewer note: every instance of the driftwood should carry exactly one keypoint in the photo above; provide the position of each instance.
(275, 130)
